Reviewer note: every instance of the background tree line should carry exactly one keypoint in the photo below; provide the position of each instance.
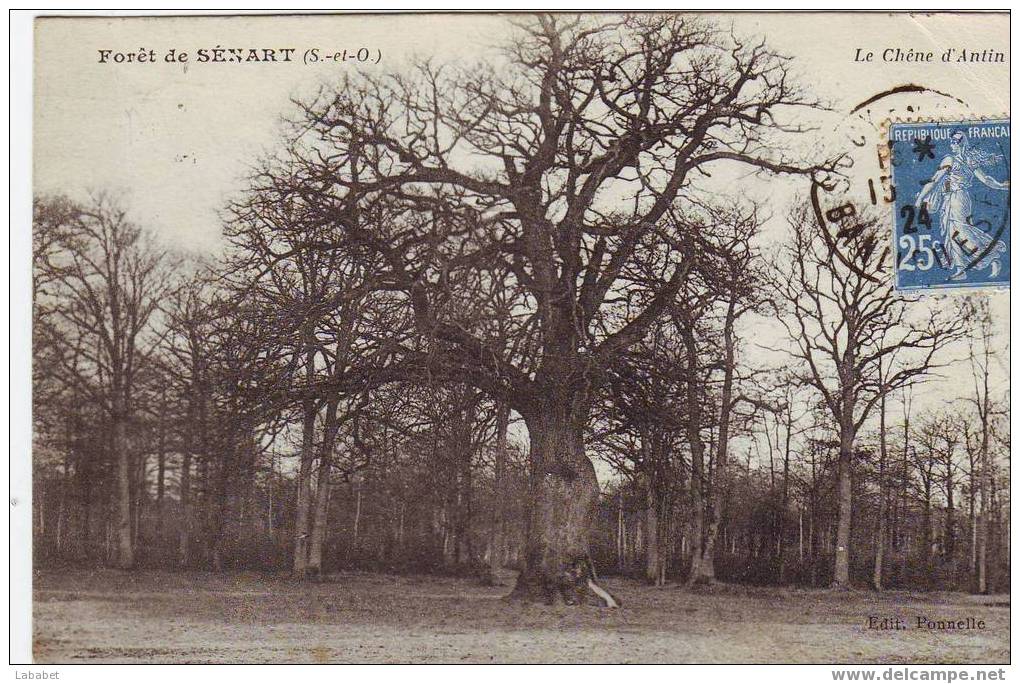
(451, 299)
(434, 477)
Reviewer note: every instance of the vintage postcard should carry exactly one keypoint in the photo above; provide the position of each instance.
(520, 338)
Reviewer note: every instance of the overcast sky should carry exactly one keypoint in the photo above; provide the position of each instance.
(176, 140)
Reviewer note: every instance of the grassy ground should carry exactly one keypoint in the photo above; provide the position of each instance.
(109, 616)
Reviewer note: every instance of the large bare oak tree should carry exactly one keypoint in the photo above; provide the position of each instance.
(541, 176)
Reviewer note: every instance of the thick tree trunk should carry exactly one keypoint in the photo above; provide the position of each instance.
(322, 493)
(564, 493)
(319, 522)
(125, 545)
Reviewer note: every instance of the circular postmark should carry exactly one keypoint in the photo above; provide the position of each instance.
(862, 192)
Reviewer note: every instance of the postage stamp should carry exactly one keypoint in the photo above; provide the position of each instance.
(951, 208)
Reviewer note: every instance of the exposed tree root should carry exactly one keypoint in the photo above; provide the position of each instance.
(700, 582)
(574, 585)
(603, 594)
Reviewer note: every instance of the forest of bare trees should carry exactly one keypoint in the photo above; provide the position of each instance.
(468, 320)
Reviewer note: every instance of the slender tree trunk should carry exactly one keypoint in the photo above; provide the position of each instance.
(218, 519)
(928, 537)
(949, 532)
(304, 482)
(906, 475)
(185, 531)
(998, 529)
(160, 469)
(982, 400)
(701, 569)
(269, 498)
(800, 533)
(84, 474)
(706, 565)
(787, 450)
(496, 541)
(357, 519)
(973, 540)
(882, 488)
(652, 560)
(39, 514)
(140, 497)
(65, 486)
(813, 520)
(984, 490)
(841, 568)
(621, 532)
(971, 509)
(699, 566)
(198, 448)
(464, 552)
(125, 543)
(983, 522)
(57, 542)
(667, 540)
(160, 489)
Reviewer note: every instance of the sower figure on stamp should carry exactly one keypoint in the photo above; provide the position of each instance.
(948, 193)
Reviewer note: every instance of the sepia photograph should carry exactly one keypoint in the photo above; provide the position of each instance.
(521, 337)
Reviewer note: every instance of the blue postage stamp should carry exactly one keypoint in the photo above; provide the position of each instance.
(951, 181)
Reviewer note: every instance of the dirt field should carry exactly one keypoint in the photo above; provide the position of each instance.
(108, 616)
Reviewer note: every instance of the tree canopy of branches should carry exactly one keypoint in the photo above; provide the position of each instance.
(98, 282)
(545, 178)
(857, 338)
